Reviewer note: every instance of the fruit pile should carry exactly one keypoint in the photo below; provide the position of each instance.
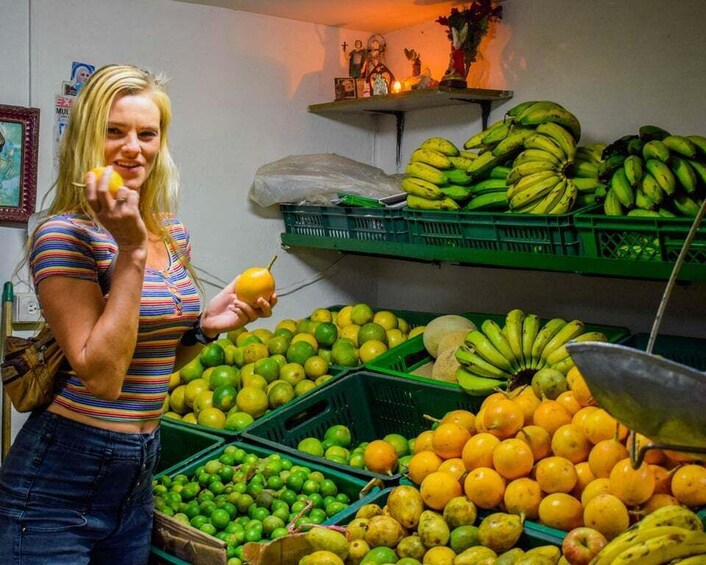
(408, 531)
(240, 498)
(548, 453)
(654, 174)
(387, 455)
(493, 357)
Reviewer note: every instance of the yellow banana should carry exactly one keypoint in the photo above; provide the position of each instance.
(561, 353)
(591, 152)
(560, 136)
(431, 157)
(460, 162)
(440, 144)
(631, 538)
(586, 184)
(519, 108)
(663, 549)
(544, 335)
(550, 552)
(529, 155)
(546, 204)
(567, 199)
(426, 172)
(698, 559)
(496, 135)
(534, 192)
(528, 168)
(475, 363)
(620, 184)
(484, 347)
(514, 321)
(484, 163)
(514, 141)
(530, 328)
(672, 515)
(476, 140)
(468, 154)
(662, 174)
(681, 145)
(684, 173)
(655, 149)
(422, 188)
(501, 342)
(536, 115)
(569, 331)
(539, 141)
(420, 203)
(585, 169)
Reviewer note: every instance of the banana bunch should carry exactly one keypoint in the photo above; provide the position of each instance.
(654, 174)
(585, 174)
(493, 357)
(670, 534)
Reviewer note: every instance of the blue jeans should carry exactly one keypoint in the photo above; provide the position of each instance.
(76, 494)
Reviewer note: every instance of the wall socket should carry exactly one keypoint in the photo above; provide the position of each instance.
(27, 308)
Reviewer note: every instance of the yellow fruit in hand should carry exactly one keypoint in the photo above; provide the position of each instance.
(114, 183)
(254, 283)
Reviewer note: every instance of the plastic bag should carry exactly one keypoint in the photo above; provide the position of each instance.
(316, 179)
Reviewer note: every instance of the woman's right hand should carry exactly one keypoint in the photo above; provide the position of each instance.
(119, 215)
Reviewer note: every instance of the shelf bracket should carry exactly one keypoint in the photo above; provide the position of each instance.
(485, 106)
(399, 119)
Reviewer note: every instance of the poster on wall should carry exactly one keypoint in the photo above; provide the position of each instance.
(80, 73)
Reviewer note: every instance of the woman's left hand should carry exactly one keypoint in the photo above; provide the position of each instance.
(225, 312)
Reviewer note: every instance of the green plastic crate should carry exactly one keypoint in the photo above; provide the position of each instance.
(358, 489)
(371, 405)
(180, 445)
(689, 351)
(639, 239)
(400, 361)
(495, 231)
(369, 224)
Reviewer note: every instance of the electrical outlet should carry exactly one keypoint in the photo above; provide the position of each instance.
(27, 308)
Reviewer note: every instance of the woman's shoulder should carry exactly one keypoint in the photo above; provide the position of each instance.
(76, 225)
(174, 226)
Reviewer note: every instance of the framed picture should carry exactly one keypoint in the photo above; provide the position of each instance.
(362, 87)
(345, 88)
(19, 141)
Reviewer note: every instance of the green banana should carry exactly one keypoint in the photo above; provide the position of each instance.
(548, 202)
(468, 154)
(519, 108)
(586, 169)
(513, 143)
(525, 169)
(610, 165)
(651, 188)
(663, 549)
(533, 192)
(611, 204)
(460, 162)
(484, 163)
(591, 152)
(478, 385)
(684, 173)
(566, 202)
(474, 362)
(530, 329)
(662, 174)
(539, 141)
(560, 136)
(495, 135)
(655, 149)
(586, 199)
(561, 352)
(544, 335)
(488, 185)
(513, 332)
(633, 169)
(569, 331)
(536, 114)
(440, 144)
(426, 172)
(686, 206)
(458, 176)
(564, 365)
(643, 213)
(699, 170)
(502, 343)
(681, 145)
(422, 188)
(499, 172)
(586, 184)
(488, 201)
(620, 184)
(700, 142)
(431, 157)
(420, 203)
(643, 203)
(666, 213)
(529, 155)
(601, 191)
(648, 133)
(455, 192)
(635, 146)
(482, 345)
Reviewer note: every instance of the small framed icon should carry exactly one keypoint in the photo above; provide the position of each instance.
(344, 88)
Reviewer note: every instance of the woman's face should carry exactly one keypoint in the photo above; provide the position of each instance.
(132, 138)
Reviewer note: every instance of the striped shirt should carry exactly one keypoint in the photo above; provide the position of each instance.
(75, 246)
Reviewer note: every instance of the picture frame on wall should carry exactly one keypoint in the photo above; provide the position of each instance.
(344, 88)
(19, 149)
(362, 87)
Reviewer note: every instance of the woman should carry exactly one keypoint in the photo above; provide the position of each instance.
(114, 279)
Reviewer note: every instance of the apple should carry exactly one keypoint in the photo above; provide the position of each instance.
(582, 544)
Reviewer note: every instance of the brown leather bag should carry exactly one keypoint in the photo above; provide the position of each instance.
(29, 369)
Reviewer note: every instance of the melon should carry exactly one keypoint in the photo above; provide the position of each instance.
(442, 326)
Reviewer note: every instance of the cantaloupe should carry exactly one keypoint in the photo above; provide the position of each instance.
(441, 326)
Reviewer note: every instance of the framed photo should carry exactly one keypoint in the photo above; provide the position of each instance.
(362, 87)
(345, 88)
(19, 141)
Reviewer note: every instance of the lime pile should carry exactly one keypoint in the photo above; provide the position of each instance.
(240, 498)
(389, 454)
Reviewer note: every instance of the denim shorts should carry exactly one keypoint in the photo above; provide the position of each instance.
(73, 493)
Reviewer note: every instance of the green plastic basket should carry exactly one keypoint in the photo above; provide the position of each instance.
(180, 445)
(631, 239)
(369, 224)
(402, 360)
(370, 405)
(689, 351)
(495, 231)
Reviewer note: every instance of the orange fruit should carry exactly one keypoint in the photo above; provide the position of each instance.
(380, 457)
(657, 501)
(484, 487)
(463, 418)
(513, 458)
(578, 386)
(600, 425)
(689, 485)
(255, 283)
(438, 488)
(422, 464)
(584, 475)
(555, 474)
(492, 398)
(503, 418)
(570, 442)
(480, 426)
(478, 451)
(528, 402)
(568, 400)
(652, 456)
(454, 466)
(580, 417)
(663, 479)
(522, 496)
(604, 456)
(607, 514)
(538, 439)
(632, 486)
(423, 441)
(114, 182)
(562, 511)
(594, 488)
(551, 415)
(448, 440)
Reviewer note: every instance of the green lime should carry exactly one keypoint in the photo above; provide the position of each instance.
(198, 521)
(338, 452)
(271, 523)
(220, 518)
(326, 333)
(399, 442)
(304, 386)
(212, 355)
(334, 508)
(299, 352)
(237, 421)
(208, 528)
(339, 435)
(278, 344)
(277, 533)
(253, 534)
(328, 488)
(192, 370)
(224, 397)
(223, 375)
(463, 537)
(280, 394)
(312, 446)
(252, 400)
(267, 368)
